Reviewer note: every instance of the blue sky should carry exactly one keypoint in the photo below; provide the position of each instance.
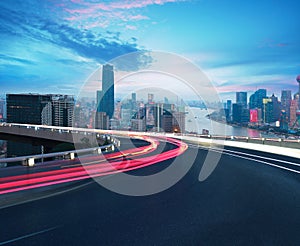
(52, 46)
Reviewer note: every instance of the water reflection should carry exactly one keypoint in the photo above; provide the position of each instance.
(196, 120)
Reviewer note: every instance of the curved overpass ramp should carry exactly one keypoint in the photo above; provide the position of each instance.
(243, 201)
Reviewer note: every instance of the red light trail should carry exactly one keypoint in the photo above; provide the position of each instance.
(95, 166)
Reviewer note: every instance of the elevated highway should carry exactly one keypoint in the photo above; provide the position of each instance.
(251, 198)
(279, 146)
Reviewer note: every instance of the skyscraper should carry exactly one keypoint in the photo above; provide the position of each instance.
(256, 99)
(56, 110)
(286, 98)
(293, 112)
(272, 109)
(29, 109)
(237, 110)
(167, 121)
(62, 110)
(100, 105)
(284, 121)
(241, 98)
(105, 98)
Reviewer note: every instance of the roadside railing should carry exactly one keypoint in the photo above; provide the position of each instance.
(30, 160)
(65, 134)
(52, 132)
(282, 142)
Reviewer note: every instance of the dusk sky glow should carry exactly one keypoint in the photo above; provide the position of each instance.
(52, 46)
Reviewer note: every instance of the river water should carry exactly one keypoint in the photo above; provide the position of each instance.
(196, 120)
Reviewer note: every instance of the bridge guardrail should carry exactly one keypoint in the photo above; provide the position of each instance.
(279, 142)
(61, 134)
(288, 143)
(71, 154)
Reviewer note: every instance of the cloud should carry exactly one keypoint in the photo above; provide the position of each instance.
(91, 14)
(42, 52)
(91, 6)
(100, 47)
(265, 71)
(251, 68)
(72, 62)
(274, 83)
(138, 3)
(138, 17)
(15, 60)
(130, 27)
(65, 87)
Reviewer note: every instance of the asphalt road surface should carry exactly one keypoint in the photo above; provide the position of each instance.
(243, 202)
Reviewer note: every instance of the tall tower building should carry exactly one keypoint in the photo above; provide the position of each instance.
(106, 99)
(241, 98)
(286, 98)
(100, 105)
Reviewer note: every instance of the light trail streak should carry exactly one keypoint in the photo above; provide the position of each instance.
(48, 178)
(88, 161)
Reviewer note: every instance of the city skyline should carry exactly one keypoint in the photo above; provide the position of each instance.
(52, 47)
(149, 122)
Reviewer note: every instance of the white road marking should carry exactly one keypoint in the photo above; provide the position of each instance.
(252, 159)
(252, 155)
(28, 235)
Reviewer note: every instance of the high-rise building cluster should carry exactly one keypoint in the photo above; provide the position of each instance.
(151, 116)
(61, 110)
(49, 109)
(265, 110)
(132, 114)
(137, 115)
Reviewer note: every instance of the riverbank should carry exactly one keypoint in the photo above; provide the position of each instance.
(196, 121)
(266, 130)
